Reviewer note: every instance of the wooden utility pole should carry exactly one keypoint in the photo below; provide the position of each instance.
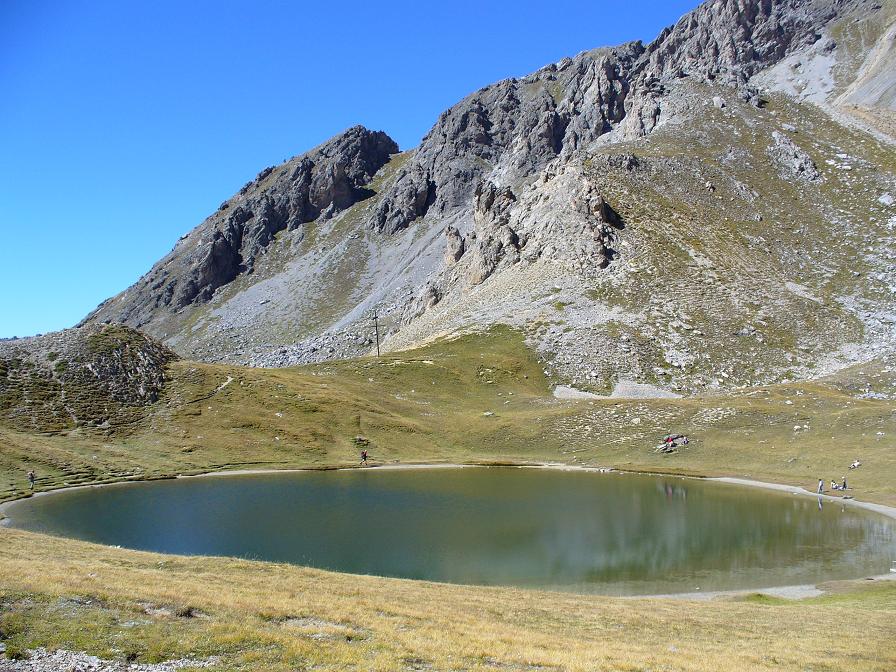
(376, 326)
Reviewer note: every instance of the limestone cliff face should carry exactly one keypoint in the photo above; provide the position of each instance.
(515, 127)
(734, 39)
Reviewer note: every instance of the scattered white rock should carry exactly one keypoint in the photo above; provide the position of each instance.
(42, 660)
(567, 392)
(887, 199)
(629, 389)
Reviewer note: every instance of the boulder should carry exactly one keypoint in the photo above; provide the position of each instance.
(792, 160)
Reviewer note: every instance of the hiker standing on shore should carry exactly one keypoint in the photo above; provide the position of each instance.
(31, 479)
(364, 457)
(820, 486)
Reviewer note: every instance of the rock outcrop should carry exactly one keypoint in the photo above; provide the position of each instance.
(518, 125)
(791, 160)
(455, 246)
(514, 128)
(733, 39)
(98, 375)
(494, 243)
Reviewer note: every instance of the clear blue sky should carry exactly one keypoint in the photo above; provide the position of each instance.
(124, 124)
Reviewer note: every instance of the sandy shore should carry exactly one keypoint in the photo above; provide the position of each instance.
(378, 467)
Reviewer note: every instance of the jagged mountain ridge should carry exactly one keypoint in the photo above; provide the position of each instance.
(522, 195)
(518, 126)
(318, 184)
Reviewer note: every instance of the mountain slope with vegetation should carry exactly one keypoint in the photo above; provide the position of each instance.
(477, 398)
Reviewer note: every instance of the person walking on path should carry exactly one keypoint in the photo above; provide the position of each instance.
(820, 486)
(364, 457)
(31, 479)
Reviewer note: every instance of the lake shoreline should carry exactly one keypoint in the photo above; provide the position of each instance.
(883, 509)
(792, 592)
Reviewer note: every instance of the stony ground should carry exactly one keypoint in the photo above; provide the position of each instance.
(42, 660)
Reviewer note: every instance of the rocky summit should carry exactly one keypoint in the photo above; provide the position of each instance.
(708, 211)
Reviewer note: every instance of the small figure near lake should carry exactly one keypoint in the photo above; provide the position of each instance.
(364, 456)
(820, 486)
(855, 464)
(31, 479)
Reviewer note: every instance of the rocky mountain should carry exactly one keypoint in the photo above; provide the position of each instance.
(99, 376)
(317, 185)
(711, 210)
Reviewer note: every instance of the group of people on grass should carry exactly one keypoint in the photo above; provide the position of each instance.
(838, 486)
(671, 442)
(834, 485)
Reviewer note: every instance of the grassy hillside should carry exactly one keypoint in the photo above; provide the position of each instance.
(96, 376)
(477, 398)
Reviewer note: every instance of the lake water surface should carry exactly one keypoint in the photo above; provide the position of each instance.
(566, 530)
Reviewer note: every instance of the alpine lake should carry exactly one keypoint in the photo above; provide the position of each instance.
(569, 530)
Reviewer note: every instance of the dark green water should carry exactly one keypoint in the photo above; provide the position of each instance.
(587, 532)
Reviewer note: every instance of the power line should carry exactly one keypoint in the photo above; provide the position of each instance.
(376, 326)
